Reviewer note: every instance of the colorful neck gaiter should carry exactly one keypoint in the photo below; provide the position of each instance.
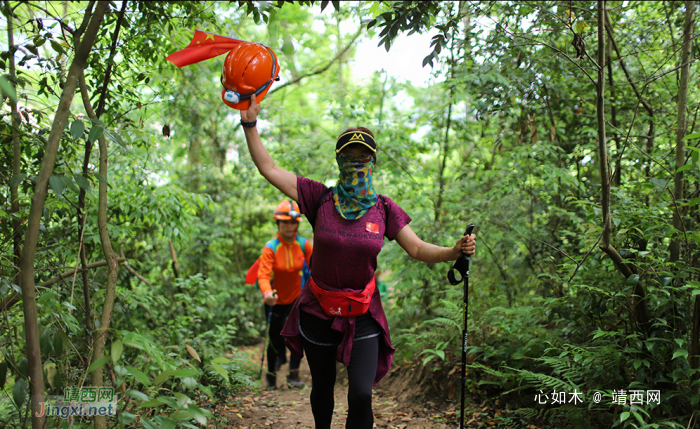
(354, 194)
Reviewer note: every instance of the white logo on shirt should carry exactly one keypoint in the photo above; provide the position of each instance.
(337, 312)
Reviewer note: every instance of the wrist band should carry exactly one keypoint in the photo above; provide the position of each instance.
(249, 124)
(439, 256)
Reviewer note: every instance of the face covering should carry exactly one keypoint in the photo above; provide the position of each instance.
(353, 195)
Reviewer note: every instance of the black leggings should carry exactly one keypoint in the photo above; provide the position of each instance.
(361, 373)
(276, 347)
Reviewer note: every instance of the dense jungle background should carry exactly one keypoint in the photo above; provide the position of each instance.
(130, 209)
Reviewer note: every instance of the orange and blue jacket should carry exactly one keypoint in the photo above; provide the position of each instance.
(284, 264)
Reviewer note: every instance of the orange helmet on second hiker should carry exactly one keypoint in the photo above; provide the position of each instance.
(287, 210)
(249, 68)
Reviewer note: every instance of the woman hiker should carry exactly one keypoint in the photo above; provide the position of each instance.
(350, 221)
(284, 260)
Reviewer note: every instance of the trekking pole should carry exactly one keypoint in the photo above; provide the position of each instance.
(462, 266)
(267, 334)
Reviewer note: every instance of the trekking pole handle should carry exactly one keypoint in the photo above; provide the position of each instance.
(461, 265)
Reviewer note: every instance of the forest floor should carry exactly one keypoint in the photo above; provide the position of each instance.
(396, 404)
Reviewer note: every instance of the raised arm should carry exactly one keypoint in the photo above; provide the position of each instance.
(277, 176)
(430, 253)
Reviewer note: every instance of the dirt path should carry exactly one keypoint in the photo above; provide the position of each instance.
(287, 408)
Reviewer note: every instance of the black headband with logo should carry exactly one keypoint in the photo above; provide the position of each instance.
(352, 137)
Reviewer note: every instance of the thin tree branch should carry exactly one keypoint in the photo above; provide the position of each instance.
(322, 69)
(13, 299)
(110, 61)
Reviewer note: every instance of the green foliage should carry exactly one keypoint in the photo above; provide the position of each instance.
(504, 137)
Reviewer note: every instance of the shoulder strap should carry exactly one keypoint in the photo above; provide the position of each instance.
(318, 204)
(384, 204)
(272, 244)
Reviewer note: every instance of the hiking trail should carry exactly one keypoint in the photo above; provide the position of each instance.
(288, 408)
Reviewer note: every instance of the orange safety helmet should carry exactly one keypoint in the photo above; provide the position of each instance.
(249, 68)
(287, 210)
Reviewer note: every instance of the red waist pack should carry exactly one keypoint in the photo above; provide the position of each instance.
(343, 304)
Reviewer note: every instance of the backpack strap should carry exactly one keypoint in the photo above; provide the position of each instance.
(318, 204)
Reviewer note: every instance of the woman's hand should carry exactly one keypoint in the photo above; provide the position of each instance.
(465, 245)
(252, 113)
(270, 296)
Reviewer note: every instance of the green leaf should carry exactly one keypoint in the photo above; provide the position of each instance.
(82, 182)
(220, 370)
(288, 47)
(163, 376)
(8, 90)
(102, 179)
(19, 392)
(185, 372)
(139, 396)
(45, 342)
(169, 401)
(23, 367)
(199, 414)
(46, 296)
(182, 399)
(95, 133)
(686, 167)
(140, 376)
(3, 374)
(58, 344)
(151, 404)
(57, 47)
(99, 363)
(77, 128)
(679, 353)
(117, 348)
(181, 415)
(70, 184)
(166, 423)
(16, 180)
(149, 424)
(633, 279)
(126, 418)
(691, 136)
(189, 382)
(441, 353)
(624, 416)
(115, 137)
(57, 184)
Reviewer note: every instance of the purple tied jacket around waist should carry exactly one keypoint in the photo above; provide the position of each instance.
(345, 258)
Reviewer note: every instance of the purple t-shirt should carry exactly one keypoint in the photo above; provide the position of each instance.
(345, 251)
(345, 257)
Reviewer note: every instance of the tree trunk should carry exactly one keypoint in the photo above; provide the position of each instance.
(16, 153)
(445, 152)
(600, 112)
(639, 306)
(31, 328)
(617, 177)
(680, 131)
(695, 343)
(86, 163)
(110, 257)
